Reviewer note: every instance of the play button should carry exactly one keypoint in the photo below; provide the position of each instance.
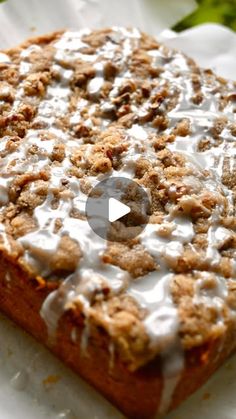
(117, 209)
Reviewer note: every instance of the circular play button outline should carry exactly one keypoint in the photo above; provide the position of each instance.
(117, 209)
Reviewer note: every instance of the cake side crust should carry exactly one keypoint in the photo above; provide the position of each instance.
(136, 394)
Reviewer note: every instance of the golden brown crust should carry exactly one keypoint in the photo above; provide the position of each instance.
(136, 394)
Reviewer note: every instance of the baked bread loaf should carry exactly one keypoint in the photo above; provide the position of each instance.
(145, 320)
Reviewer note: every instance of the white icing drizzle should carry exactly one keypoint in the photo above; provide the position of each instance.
(173, 365)
(162, 247)
(218, 289)
(4, 58)
(96, 83)
(25, 65)
(216, 238)
(212, 292)
(151, 291)
(69, 47)
(3, 192)
(4, 238)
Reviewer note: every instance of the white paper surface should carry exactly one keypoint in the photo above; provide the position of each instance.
(23, 18)
(212, 46)
(25, 365)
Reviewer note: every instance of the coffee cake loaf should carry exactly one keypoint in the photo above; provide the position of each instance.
(146, 320)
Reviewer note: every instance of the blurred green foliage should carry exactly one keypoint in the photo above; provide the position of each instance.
(218, 11)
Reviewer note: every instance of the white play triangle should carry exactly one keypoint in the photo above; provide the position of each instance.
(116, 210)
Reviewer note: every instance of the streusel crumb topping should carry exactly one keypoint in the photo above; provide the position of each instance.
(83, 106)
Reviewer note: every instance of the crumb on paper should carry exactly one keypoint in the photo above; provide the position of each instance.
(51, 379)
(33, 28)
(206, 396)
